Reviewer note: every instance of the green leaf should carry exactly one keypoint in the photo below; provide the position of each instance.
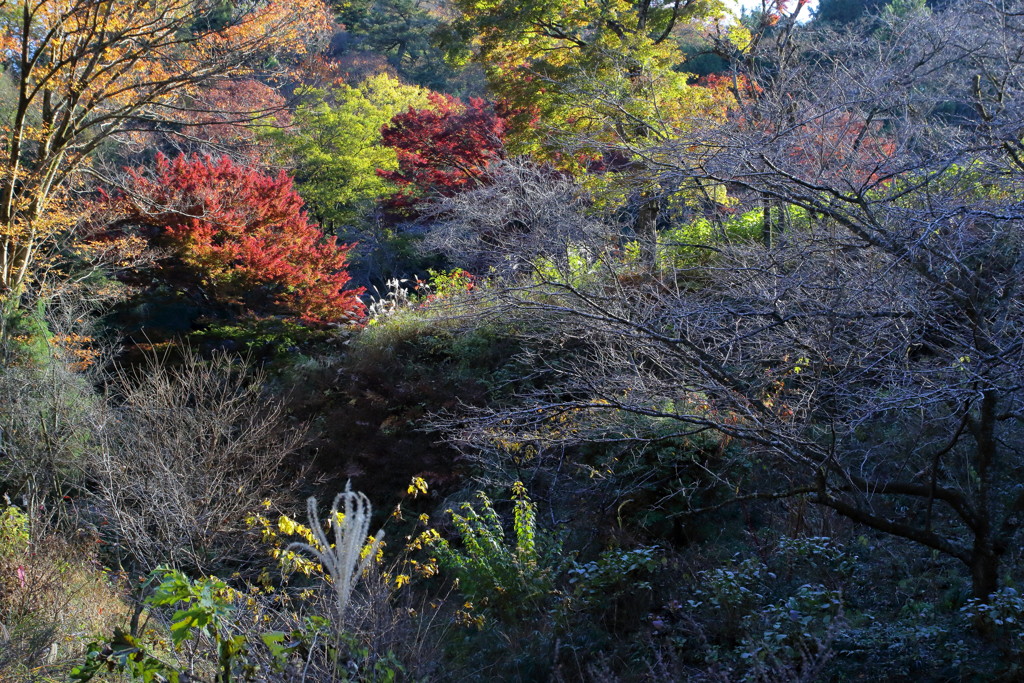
(185, 620)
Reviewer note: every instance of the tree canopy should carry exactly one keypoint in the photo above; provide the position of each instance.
(443, 150)
(239, 237)
(607, 70)
(334, 144)
(86, 71)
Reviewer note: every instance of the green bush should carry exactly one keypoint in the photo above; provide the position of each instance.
(748, 620)
(13, 533)
(1001, 618)
(507, 579)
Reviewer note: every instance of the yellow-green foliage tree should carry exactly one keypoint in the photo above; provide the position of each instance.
(596, 86)
(86, 70)
(606, 71)
(334, 144)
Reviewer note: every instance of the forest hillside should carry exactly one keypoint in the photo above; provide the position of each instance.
(494, 340)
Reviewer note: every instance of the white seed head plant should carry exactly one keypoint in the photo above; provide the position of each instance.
(344, 560)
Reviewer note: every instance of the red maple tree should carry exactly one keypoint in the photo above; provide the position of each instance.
(241, 236)
(443, 150)
(840, 148)
(229, 112)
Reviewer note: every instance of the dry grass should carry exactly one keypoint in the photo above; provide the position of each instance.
(54, 599)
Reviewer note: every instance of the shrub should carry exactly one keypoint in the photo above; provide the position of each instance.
(1001, 617)
(748, 621)
(507, 579)
(191, 451)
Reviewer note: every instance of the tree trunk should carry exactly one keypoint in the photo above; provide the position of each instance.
(984, 570)
(984, 555)
(14, 264)
(646, 230)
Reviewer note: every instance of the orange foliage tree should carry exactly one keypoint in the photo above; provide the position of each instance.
(86, 70)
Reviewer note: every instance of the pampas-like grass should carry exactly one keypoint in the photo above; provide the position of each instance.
(344, 560)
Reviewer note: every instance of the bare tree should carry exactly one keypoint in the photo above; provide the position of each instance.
(525, 211)
(872, 349)
(51, 414)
